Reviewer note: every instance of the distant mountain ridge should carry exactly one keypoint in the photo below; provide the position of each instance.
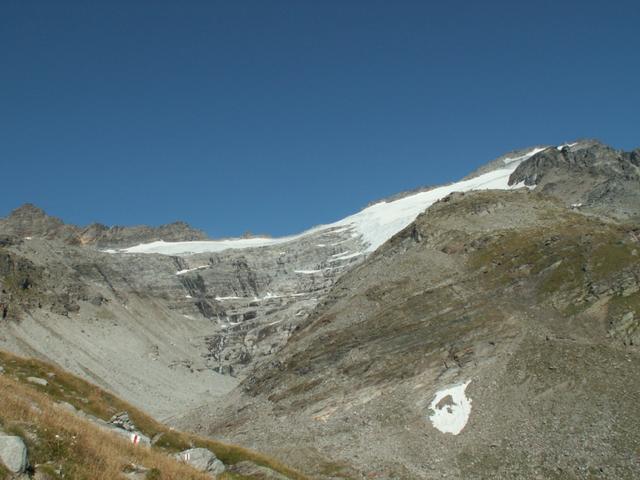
(609, 182)
(31, 221)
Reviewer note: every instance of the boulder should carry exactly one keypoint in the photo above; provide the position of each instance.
(202, 459)
(136, 438)
(13, 453)
(252, 470)
(136, 472)
(38, 381)
(122, 420)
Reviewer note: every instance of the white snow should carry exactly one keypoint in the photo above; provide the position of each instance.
(375, 224)
(381, 221)
(270, 295)
(569, 145)
(453, 414)
(522, 158)
(187, 248)
(267, 296)
(182, 272)
(322, 270)
(345, 256)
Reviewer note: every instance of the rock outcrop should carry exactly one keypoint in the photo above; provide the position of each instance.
(587, 175)
(251, 470)
(202, 460)
(32, 222)
(13, 453)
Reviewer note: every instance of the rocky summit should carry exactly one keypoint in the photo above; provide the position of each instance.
(488, 328)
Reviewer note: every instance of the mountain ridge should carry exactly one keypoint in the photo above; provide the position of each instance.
(28, 220)
(340, 326)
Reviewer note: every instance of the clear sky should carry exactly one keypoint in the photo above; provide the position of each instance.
(274, 116)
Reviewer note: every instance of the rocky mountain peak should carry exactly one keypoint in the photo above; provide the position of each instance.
(586, 174)
(28, 210)
(29, 220)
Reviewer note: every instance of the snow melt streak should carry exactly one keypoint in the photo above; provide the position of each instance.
(451, 408)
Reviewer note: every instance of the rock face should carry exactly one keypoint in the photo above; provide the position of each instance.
(490, 339)
(202, 459)
(102, 236)
(13, 453)
(251, 470)
(122, 420)
(165, 332)
(133, 436)
(38, 381)
(31, 221)
(588, 175)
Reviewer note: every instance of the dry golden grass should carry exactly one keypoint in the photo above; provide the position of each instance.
(76, 446)
(83, 449)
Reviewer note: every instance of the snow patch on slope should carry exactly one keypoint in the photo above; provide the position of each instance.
(451, 409)
(521, 158)
(567, 145)
(182, 272)
(375, 224)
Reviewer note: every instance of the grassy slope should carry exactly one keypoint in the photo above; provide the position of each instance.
(58, 438)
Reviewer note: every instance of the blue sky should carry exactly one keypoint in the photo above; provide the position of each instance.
(274, 116)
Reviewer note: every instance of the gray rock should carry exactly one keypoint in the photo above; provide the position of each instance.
(156, 438)
(40, 475)
(136, 472)
(38, 381)
(202, 459)
(251, 470)
(122, 420)
(31, 221)
(588, 175)
(136, 438)
(13, 453)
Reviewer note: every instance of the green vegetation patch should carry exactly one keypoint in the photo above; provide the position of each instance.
(563, 262)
